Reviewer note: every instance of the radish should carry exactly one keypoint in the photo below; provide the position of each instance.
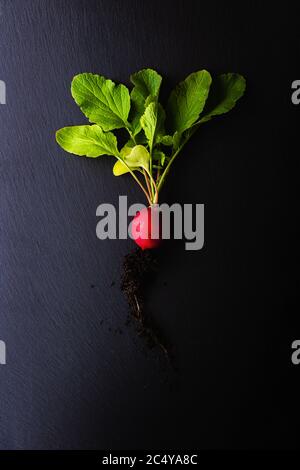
(143, 229)
(156, 135)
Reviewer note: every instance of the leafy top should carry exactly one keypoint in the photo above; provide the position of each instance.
(156, 136)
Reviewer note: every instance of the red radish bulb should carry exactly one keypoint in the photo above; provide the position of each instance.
(142, 226)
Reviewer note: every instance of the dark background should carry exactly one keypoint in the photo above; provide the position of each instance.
(230, 310)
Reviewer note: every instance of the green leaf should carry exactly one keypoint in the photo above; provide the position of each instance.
(160, 125)
(148, 122)
(187, 101)
(152, 122)
(136, 125)
(166, 140)
(176, 140)
(87, 140)
(101, 100)
(159, 156)
(146, 83)
(135, 158)
(225, 91)
(141, 139)
(146, 89)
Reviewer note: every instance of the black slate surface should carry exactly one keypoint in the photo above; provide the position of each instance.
(71, 380)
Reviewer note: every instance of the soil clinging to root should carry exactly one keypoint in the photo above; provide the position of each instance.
(139, 267)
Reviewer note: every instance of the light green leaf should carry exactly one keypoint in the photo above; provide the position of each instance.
(135, 158)
(101, 100)
(87, 140)
(120, 169)
(126, 150)
(187, 101)
(138, 157)
(225, 91)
